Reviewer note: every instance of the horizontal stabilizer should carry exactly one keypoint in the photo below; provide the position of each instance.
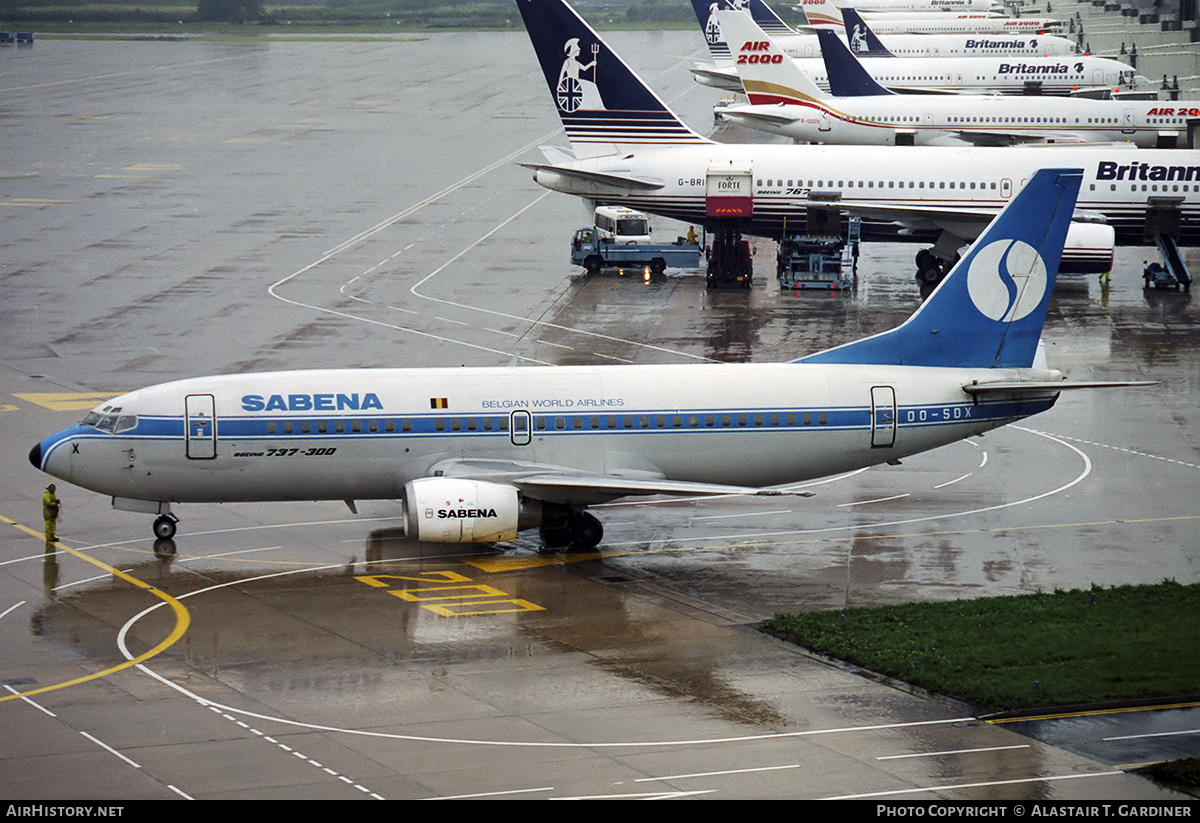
(759, 114)
(1042, 386)
(724, 77)
(556, 155)
(640, 183)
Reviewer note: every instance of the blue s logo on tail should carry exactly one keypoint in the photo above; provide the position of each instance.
(989, 311)
(1007, 280)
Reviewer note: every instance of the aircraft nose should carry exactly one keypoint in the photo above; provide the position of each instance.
(35, 456)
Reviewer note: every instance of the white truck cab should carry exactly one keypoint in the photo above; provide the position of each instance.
(620, 225)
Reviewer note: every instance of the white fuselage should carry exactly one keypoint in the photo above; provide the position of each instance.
(945, 45)
(953, 75)
(362, 434)
(971, 120)
(921, 187)
(919, 6)
(966, 23)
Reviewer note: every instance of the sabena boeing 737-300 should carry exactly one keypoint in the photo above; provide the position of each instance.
(784, 101)
(479, 454)
(629, 149)
(942, 74)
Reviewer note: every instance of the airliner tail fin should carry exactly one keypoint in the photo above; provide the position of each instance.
(847, 77)
(767, 19)
(603, 104)
(989, 310)
(862, 40)
(768, 75)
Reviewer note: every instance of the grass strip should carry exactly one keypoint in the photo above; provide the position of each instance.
(1003, 653)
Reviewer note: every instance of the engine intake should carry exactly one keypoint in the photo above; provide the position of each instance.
(451, 510)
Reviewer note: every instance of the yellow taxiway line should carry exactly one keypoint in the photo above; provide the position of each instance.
(182, 618)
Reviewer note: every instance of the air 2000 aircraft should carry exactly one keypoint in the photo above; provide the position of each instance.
(945, 74)
(865, 44)
(630, 150)
(478, 454)
(784, 101)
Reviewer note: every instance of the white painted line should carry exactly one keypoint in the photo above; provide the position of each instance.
(951, 751)
(717, 774)
(876, 500)
(744, 514)
(110, 749)
(952, 786)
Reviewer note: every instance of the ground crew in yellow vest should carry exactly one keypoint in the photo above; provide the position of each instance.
(50, 513)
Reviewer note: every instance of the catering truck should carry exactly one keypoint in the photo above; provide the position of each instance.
(620, 238)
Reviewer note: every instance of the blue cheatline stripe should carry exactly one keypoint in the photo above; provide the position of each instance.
(158, 428)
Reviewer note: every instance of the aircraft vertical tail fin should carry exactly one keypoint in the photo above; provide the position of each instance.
(768, 75)
(706, 13)
(989, 310)
(847, 77)
(767, 19)
(603, 104)
(823, 13)
(863, 42)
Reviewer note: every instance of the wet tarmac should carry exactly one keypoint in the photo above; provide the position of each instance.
(176, 209)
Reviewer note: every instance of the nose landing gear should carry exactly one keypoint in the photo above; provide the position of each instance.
(164, 526)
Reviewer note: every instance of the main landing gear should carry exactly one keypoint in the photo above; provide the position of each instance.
(930, 268)
(576, 531)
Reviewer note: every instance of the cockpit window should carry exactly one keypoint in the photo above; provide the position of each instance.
(633, 227)
(110, 420)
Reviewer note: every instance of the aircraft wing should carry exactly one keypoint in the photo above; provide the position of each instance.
(965, 222)
(625, 181)
(1004, 138)
(559, 484)
(720, 77)
(997, 138)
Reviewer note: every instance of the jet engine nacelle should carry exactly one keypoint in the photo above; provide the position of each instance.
(1089, 248)
(452, 510)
